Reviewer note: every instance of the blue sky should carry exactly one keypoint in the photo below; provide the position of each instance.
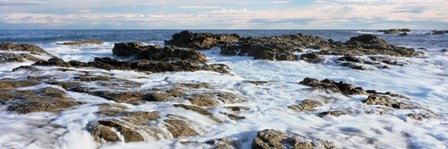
(223, 14)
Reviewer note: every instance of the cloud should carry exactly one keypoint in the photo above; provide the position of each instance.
(226, 14)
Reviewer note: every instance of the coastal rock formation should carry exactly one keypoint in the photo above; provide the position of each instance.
(11, 52)
(189, 39)
(385, 101)
(439, 32)
(142, 65)
(306, 105)
(333, 86)
(274, 48)
(395, 31)
(157, 53)
(269, 138)
(311, 57)
(83, 42)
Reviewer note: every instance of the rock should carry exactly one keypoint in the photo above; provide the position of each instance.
(176, 92)
(120, 97)
(25, 68)
(193, 108)
(229, 98)
(353, 65)
(274, 48)
(128, 49)
(310, 57)
(336, 87)
(237, 108)
(349, 58)
(83, 42)
(444, 50)
(43, 100)
(206, 100)
(403, 34)
(385, 101)
(419, 117)
(234, 116)
(10, 57)
(22, 47)
(394, 31)
(103, 131)
(332, 113)
(89, 78)
(10, 84)
(435, 32)
(179, 127)
(156, 97)
(142, 65)
(306, 105)
(255, 82)
(269, 139)
(189, 39)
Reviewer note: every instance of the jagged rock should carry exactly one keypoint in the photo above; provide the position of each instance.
(403, 34)
(353, 65)
(206, 100)
(25, 68)
(10, 84)
(22, 47)
(104, 130)
(176, 92)
(157, 53)
(394, 31)
(121, 97)
(269, 138)
(193, 108)
(229, 98)
(89, 78)
(237, 108)
(274, 48)
(332, 113)
(200, 40)
(234, 116)
(43, 100)
(306, 105)
(10, 57)
(179, 127)
(310, 57)
(441, 32)
(336, 87)
(349, 58)
(419, 117)
(157, 96)
(385, 101)
(83, 42)
(142, 65)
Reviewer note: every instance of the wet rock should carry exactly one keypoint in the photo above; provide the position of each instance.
(310, 57)
(229, 98)
(332, 113)
(419, 117)
(439, 32)
(306, 105)
(179, 127)
(336, 87)
(128, 49)
(10, 57)
(142, 65)
(176, 92)
(403, 34)
(234, 116)
(22, 47)
(25, 68)
(255, 82)
(156, 96)
(395, 31)
(349, 58)
(193, 108)
(44, 100)
(353, 65)
(222, 143)
(368, 45)
(237, 108)
(444, 50)
(10, 84)
(83, 42)
(274, 48)
(104, 131)
(269, 138)
(385, 101)
(200, 40)
(206, 100)
(120, 97)
(89, 78)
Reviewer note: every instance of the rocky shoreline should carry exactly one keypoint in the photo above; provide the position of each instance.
(116, 122)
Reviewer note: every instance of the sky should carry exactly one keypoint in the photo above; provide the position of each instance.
(223, 14)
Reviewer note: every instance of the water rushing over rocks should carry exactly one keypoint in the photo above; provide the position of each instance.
(223, 90)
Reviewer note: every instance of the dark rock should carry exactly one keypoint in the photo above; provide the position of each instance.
(128, 49)
(25, 68)
(306, 105)
(10, 84)
(310, 57)
(385, 101)
(353, 65)
(156, 96)
(179, 127)
(102, 130)
(394, 31)
(43, 100)
(83, 42)
(189, 39)
(436, 32)
(332, 113)
(349, 58)
(444, 50)
(336, 87)
(88, 78)
(23, 47)
(274, 48)
(193, 108)
(206, 100)
(403, 34)
(10, 57)
(269, 139)
(255, 82)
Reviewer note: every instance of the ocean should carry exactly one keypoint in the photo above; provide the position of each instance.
(424, 79)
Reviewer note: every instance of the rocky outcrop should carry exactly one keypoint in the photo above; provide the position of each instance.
(83, 42)
(369, 45)
(23, 48)
(189, 39)
(333, 86)
(274, 48)
(385, 101)
(269, 138)
(395, 31)
(439, 32)
(310, 57)
(306, 105)
(10, 52)
(157, 53)
(142, 65)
